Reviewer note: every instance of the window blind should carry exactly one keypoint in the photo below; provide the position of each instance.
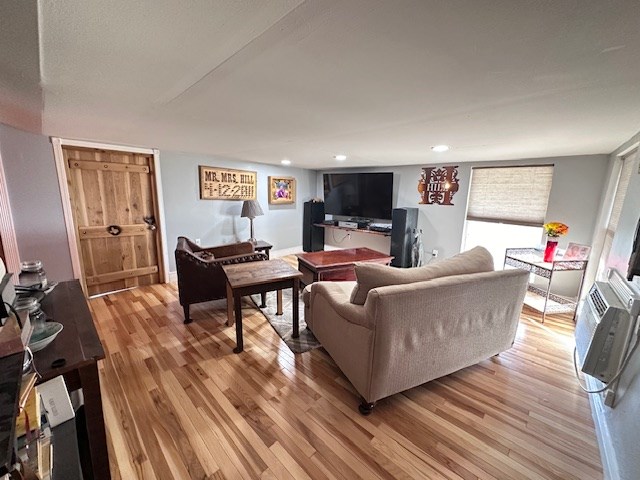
(516, 195)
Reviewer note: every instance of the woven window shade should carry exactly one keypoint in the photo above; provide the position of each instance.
(516, 195)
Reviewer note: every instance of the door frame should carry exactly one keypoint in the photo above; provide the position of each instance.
(72, 237)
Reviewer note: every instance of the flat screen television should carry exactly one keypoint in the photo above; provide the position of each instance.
(365, 195)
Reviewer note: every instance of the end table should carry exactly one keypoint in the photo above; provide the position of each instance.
(543, 300)
(262, 246)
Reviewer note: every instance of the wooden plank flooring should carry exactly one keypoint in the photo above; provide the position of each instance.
(180, 405)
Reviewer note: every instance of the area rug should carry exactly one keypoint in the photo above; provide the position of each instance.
(283, 324)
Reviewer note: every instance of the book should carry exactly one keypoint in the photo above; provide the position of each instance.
(36, 456)
(45, 454)
(26, 385)
(29, 417)
(55, 401)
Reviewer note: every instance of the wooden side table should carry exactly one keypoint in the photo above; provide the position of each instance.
(80, 347)
(336, 265)
(264, 247)
(260, 277)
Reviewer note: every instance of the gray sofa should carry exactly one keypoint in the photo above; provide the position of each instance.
(395, 329)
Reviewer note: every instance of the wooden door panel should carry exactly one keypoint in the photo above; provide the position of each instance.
(113, 189)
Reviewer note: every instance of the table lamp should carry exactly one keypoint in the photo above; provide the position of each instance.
(251, 209)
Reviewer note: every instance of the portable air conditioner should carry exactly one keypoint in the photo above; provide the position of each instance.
(605, 326)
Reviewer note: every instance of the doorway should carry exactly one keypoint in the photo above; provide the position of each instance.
(113, 204)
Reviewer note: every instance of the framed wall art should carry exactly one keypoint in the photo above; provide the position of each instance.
(282, 190)
(227, 184)
(438, 185)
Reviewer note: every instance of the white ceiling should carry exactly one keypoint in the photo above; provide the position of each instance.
(378, 80)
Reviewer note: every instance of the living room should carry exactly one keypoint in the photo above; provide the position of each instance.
(283, 89)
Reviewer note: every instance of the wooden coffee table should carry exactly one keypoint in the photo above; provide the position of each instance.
(249, 278)
(336, 264)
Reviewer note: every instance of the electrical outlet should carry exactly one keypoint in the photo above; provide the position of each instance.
(434, 253)
(197, 241)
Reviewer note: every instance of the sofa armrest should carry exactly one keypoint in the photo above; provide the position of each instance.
(212, 262)
(338, 298)
(242, 258)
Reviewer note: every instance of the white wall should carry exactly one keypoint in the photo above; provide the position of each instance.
(619, 428)
(574, 199)
(218, 221)
(21, 101)
(35, 200)
(39, 222)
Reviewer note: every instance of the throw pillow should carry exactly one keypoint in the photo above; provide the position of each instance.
(373, 275)
(205, 255)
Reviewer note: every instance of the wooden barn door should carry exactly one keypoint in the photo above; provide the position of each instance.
(112, 195)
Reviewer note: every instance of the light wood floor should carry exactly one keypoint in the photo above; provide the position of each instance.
(179, 404)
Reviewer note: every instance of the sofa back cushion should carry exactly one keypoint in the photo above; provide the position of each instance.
(373, 275)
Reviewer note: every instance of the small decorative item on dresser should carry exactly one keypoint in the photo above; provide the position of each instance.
(553, 231)
(575, 251)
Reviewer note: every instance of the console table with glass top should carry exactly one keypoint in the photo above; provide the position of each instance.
(540, 299)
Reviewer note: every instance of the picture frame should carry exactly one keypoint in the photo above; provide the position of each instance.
(282, 190)
(576, 251)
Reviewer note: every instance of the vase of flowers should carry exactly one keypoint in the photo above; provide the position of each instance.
(554, 230)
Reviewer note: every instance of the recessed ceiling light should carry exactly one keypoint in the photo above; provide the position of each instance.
(340, 157)
(440, 148)
(285, 162)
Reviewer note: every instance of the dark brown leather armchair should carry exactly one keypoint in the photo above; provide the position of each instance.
(200, 274)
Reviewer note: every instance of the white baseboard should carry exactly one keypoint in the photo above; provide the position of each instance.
(607, 451)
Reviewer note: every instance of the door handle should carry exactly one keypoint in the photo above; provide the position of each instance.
(114, 230)
(151, 222)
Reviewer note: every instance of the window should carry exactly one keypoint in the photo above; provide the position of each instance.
(517, 195)
(507, 207)
(616, 208)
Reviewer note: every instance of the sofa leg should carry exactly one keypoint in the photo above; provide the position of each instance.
(366, 407)
(186, 314)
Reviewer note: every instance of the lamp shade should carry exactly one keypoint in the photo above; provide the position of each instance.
(251, 209)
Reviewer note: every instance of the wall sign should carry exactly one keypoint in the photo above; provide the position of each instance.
(227, 184)
(438, 185)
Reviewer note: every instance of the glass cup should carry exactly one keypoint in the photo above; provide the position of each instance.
(37, 317)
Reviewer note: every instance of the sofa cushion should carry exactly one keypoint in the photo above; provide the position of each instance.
(205, 255)
(373, 275)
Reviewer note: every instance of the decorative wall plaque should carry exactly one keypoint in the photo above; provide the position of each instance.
(227, 184)
(438, 185)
